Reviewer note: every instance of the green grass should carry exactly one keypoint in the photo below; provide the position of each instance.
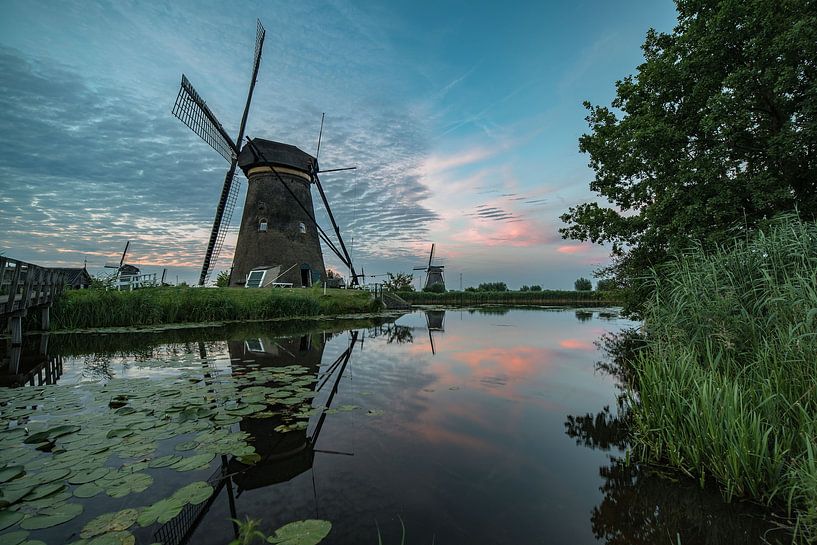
(547, 297)
(168, 305)
(726, 387)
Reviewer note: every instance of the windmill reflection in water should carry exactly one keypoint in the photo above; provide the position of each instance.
(283, 456)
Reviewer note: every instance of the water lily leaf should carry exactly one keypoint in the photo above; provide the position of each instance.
(187, 445)
(51, 475)
(89, 476)
(9, 518)
(87, 490)
(162, 511)
(35, 542)
(50, 434)
(375, 412)
(114, 538)
(14, 538)
(249, 459)
(124, 411)
(110, 522)
(11, 495)
(127, 484)
(302, 532)
(200, 461)
(11, 472)
(56, 516)
(119, 432)
(44, 490)
(194, 493)
(164, 461)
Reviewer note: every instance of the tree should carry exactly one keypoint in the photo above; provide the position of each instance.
(525, 288)
(714, 134)
(223, 279)
(399, 282)
(583, 284)
(606, 284)
(536, 287)
(493, 286)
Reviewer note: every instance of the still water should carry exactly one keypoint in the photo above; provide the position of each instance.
(489, 426)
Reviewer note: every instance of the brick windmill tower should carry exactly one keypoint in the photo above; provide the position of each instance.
(279, 241)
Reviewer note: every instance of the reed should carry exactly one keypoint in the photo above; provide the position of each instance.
(726, 387)
(168, 305)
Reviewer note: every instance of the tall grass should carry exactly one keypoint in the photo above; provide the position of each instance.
(726, 387)
(167, 305)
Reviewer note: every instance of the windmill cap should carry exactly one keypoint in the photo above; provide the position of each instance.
(271, 153)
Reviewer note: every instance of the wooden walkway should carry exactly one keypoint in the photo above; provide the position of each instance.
(25, 287)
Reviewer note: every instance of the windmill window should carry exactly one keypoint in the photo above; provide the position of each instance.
(262, 225)
(302, 227)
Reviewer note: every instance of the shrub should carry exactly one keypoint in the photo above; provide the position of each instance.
(583, 284)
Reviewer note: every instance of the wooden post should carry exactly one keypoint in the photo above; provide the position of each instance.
(14, 356)
(46, 317)
(16, 324)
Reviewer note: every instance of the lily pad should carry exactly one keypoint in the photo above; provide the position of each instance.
(44, 490)
(164, 461)
(194, 493)
(11, 472)
(9, 518)
(87, 490)
(90, 476)
(14, 538)
(162, 511)
(187, 445)
(200, 461)
(56, 516)
(127, 484)
(302, 532)
(110, 522)
(114, 538)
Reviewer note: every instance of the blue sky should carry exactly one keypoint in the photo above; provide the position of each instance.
(463, 119)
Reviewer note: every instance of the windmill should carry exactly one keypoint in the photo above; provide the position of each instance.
(434, 273)
(124, 272)
(278, 229)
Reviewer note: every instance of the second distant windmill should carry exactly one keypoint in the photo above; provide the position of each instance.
(434, 273)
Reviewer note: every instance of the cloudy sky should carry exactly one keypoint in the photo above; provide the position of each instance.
(462, 118)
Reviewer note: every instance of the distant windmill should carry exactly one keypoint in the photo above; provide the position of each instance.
(124, 272)
(278, 228)
(434, 273)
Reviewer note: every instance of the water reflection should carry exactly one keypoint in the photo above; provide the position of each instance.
(644, 506)
(30, 363)
(464, 435)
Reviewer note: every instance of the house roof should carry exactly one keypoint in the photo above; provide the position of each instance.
(74, 275)
(271, 153)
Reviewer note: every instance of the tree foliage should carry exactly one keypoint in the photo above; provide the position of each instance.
(715, 133)
(493, 286)
(223, 279)
(606, 284)
(399, 282)
(583, 284)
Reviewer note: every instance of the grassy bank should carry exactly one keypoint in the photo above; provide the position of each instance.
(726, 387)
(168, 305)
(547, 297)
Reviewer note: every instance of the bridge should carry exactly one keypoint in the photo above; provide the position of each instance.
(25, 287)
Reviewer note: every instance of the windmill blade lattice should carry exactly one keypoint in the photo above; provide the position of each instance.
(192, 110)
(224, 226)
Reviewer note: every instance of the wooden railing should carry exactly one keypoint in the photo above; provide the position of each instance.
(24, 287)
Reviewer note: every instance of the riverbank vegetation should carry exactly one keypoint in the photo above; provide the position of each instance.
(712, 136)
(725, 387)
(168, 305)
(542, 297)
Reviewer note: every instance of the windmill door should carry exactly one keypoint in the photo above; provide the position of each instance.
(306, 276)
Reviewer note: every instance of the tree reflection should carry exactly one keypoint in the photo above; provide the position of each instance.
(584, 315)
(644, 506)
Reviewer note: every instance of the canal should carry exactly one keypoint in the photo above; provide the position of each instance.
(488, 425)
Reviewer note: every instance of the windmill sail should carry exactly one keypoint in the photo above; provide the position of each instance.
(192, 110)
